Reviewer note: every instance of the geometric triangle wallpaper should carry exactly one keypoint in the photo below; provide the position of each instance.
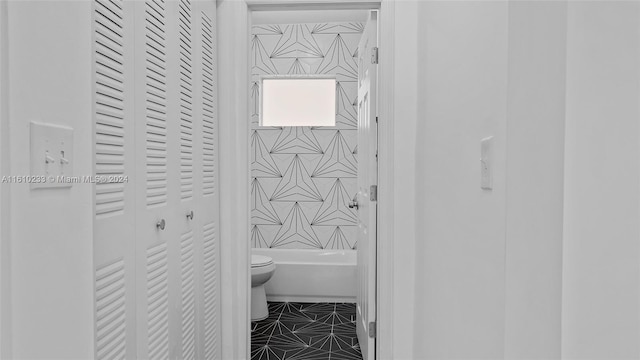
(335, 208)
(296, 140)
(296, 184)
(338, 159)
(304, 177)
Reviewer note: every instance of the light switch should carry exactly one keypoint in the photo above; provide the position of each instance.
(51, 155)
(486, 163)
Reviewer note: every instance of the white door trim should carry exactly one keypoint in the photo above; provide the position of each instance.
(234, 23)
(5, 200)
(385, 266)
(233, 109)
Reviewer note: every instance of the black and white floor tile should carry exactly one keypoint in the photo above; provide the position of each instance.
(306, 331)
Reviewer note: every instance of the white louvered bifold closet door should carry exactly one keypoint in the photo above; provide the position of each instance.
(172, 308)
(208, 143)
(114, 203)
(156, 195)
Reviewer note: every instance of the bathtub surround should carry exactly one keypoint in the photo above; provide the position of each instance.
(306, 331)
(304, 177)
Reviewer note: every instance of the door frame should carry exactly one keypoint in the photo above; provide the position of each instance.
(234, 22)
(5, 199)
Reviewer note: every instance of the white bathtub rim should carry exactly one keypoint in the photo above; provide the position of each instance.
(309, 257)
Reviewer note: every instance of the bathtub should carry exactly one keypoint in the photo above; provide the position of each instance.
(311, 275)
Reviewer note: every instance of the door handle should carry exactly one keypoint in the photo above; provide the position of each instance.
(353, 204)
(190, 215)
(161, 224)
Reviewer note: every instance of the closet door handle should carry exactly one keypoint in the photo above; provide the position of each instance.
(161, 224)
(190, 215)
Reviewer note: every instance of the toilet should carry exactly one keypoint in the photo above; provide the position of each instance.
(262, 268)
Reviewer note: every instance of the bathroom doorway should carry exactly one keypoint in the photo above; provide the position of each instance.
(235, 87)
(313, 187)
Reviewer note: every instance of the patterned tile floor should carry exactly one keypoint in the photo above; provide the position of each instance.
(306, 331)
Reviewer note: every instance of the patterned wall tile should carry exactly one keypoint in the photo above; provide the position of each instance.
(255, 98)
(338, 240)
(339, 60)
(296, 184)
(262, 163)
(346, 104)
(262, 211)
(267, 29)
(351, 138)
(311, 161)
(260, 57)
(304, 177)
(262, 235)
(297, 42)
(296, 232)
(337, 237)
(351, 234)
(270, 136)
(338, 28)
(335, 208)
(296, 140)
(338, 160)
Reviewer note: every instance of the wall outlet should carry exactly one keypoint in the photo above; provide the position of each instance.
(486, 163)
(51, 155)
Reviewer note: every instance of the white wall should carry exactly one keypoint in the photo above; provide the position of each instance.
(601, 281)
(535, 146)
(460, 246)
(50, 61)
(488, 263)
(401, 236)
(547, 265)
(5, 265)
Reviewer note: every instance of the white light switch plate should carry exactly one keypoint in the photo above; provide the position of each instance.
(51, 155)
(486, 163)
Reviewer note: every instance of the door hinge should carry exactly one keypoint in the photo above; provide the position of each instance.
(373, 193)
(372, 329)
(376, 119)
(374, 55)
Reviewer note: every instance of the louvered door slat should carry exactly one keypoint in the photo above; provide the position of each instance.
(157, 300)
(188, 296)
(208, 149)
(109, 105)
(186, 100)
(208, 110)
(211, 286)
(156, 102)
